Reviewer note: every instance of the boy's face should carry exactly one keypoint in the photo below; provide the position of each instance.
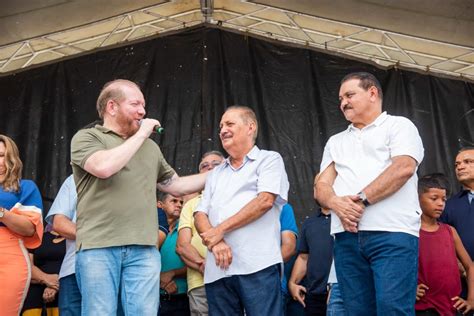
(432, 202)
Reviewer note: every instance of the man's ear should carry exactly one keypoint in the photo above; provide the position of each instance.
(252, 127)
(374, 93)
(159, 204)
(111, 107)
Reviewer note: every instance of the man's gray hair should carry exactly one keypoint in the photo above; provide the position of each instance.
(247, 115)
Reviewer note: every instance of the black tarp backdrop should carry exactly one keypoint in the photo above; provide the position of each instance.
(189, 78)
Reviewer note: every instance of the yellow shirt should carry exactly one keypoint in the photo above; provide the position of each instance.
(186, 220)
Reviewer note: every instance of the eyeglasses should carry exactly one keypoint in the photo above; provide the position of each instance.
(209, 166)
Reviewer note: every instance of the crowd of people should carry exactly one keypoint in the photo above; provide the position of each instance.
(126, 235)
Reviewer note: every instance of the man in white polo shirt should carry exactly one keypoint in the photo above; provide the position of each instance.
(239, 221)
(368, 179)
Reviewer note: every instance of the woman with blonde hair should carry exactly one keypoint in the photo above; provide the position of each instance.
(21, 227)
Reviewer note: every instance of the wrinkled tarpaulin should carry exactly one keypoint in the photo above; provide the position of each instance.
(189, 78)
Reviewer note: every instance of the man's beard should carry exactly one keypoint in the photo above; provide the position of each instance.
(127, 125)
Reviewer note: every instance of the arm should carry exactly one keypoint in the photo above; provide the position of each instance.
(105, 163)
(460, 304)
(391, 179)
(346, 207)
(187, 252)
(39, 277)
(18, 224)
(168, 276)
(64, 226)
(297, 274)
(179, 186)
(161, 238)
(249, 213)
(288, 245)
(221, 251)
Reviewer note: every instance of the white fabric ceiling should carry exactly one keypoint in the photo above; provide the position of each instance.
(428, 35)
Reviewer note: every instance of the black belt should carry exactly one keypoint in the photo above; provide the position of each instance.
(173, 297)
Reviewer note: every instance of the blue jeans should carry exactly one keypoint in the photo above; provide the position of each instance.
(69, 301)
(336, 303)
(377, 272)
(133, 270)
(257, 293)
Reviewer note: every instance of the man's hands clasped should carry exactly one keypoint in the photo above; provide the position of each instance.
(349, 209)
(213, 239)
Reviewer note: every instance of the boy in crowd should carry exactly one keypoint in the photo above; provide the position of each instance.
(439, 286)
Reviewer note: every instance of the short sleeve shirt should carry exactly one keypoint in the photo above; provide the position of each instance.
(361, 155)
(186, 220)
(65, 204)
(119, 210)
(256, 245)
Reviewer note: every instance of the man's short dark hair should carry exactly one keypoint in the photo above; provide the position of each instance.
(161, 196)
(212, 152)
(366, 80)
(433, 181)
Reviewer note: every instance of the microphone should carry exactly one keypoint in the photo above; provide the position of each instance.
(157, 129)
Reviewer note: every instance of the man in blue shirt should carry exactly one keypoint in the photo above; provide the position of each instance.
(62, 215)
(313, 261)
(289, 233)
(173, 288)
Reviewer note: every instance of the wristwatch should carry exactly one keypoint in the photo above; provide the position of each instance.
(363, 198)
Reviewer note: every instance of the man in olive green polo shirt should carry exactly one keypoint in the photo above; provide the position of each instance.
(116, 170)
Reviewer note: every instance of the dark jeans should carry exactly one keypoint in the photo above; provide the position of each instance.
(257, 293)
(377, 272)
(69, 301)
(174, 305)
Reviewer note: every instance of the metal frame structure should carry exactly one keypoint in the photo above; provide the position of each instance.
(382, 47)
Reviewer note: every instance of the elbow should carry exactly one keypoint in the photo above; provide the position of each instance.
(266, 201)
(29, 232)
(405, 167)
(180, 249)
(103, 173)
(408, 171)
(287, 256)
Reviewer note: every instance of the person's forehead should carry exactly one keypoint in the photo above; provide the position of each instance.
(231, 115)
(171, 198)
(435, 191)
(131, 91)
(211, 157)
(465, 154)
(350, 84)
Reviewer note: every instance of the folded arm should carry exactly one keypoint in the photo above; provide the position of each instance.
(64, 226)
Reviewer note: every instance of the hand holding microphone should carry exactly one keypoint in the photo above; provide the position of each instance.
(156, 125)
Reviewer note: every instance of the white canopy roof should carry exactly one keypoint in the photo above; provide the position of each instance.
(436, 36)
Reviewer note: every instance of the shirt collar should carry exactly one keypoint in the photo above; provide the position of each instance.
(251, 155)
(105, 130)
(464, 192)
(377, 122)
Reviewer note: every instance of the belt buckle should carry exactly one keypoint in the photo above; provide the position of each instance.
(166, 296)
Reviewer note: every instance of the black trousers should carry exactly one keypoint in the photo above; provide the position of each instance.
(315, 304)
